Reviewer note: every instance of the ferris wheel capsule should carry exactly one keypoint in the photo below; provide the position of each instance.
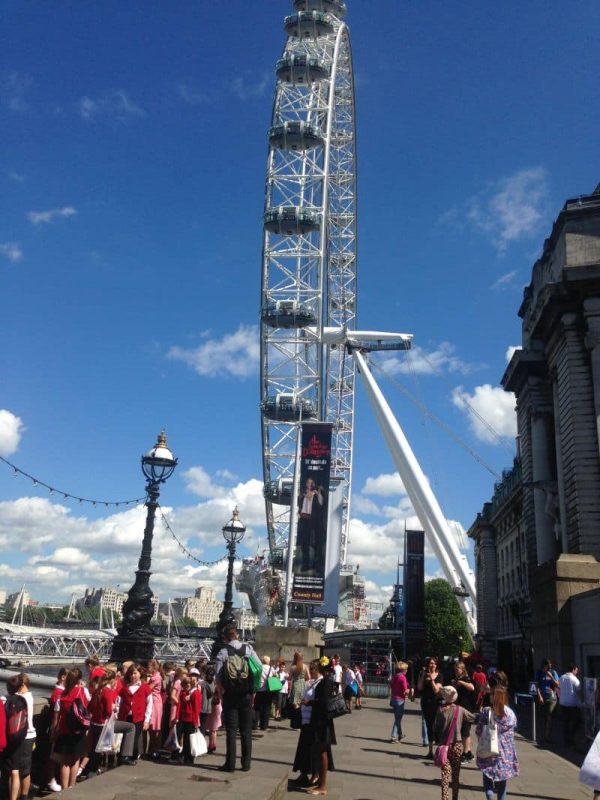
(308, 25)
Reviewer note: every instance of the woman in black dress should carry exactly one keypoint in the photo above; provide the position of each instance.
(429, 686)
(303, 760)
(322, 727)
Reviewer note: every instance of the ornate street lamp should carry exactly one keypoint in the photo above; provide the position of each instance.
(135, 639)
(233, 533)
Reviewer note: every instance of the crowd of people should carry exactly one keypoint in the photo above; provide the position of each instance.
(156, 711)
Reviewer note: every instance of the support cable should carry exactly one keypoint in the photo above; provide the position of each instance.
(446, 428)
(500, 439)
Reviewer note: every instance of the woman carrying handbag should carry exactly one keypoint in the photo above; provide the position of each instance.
(497, 769)
(447, 733)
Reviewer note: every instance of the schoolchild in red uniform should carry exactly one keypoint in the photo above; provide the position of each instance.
(188, 716)
(102, 705)
(70, 747)
(136, 704)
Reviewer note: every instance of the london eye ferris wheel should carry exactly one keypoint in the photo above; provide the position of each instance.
(309, 258)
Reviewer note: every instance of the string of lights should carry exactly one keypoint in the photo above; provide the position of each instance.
(69, 495)
(183, 548)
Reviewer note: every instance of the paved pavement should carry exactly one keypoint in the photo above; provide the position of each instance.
(368, 767)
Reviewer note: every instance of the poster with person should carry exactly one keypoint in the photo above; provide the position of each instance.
(308, 585)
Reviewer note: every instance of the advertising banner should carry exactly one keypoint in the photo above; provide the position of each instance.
(308, 584)
(414, 590)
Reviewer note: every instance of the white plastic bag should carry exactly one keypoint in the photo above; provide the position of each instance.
(487, 741)
(107, 736)
(590, 769)
(117, 742)
(198, 744)
(172, 741)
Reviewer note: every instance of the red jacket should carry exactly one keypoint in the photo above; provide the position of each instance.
(134, 704)
(2, 727)
(65, 702)
(190, 705)
(102, 704)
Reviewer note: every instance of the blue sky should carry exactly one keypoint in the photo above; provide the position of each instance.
(132, 184)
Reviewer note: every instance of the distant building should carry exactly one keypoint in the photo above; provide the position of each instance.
(18, 598)
(504, 605)
(246, 619)
(203, 608)
(110, 600)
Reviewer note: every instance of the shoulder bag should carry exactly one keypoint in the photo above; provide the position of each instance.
(487, 741)
(336, 706)
(441, 751)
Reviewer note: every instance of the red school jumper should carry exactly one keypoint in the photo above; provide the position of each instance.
(190, 705)
(65, 703)
(102, 704)
(134, 704)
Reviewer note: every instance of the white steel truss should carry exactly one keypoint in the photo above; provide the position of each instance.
(48, 644)
(309, 257)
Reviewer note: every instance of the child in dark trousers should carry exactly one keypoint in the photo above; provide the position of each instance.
(190, 705)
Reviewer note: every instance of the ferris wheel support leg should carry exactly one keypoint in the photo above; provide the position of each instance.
(419, 492)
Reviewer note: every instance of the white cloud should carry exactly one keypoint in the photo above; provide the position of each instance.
(34, 532)
(45, 217)
(492, 404)
(114, 107)
(198, 481)
(512, 208)
(12, 251)
(511, 350)
(418, 361)
(235, 354)
(191, 96)
(246, 90)
(384, 485)
(16, 177)
(504, 281)
(13, 87)
(11, 430)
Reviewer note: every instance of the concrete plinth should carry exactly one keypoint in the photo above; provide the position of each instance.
(279, 642)
(553, 585)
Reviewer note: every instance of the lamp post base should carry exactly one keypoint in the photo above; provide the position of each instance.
(132, 649)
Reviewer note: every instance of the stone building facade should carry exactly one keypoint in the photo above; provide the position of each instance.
(502, 579)
(555, 376)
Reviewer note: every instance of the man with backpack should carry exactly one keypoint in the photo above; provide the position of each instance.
(234, 685)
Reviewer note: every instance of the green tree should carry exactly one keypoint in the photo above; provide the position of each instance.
(446, 628)
(188, 622)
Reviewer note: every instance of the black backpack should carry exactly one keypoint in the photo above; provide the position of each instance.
(17, 723)
(78, 718)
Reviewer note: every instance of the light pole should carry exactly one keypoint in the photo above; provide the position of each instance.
(233, 533)
(135, 639)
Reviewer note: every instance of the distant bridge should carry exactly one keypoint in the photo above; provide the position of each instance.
(34, 645)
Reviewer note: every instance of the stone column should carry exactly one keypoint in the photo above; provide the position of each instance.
(543, 478)
(560, 479)
(591, 308)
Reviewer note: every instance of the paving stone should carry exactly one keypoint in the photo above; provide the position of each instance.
(368, 767)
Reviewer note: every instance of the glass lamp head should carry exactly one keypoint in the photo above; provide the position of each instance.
(235, 529)
(159, 462)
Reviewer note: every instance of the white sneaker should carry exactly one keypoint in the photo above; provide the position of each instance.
(54, 785)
